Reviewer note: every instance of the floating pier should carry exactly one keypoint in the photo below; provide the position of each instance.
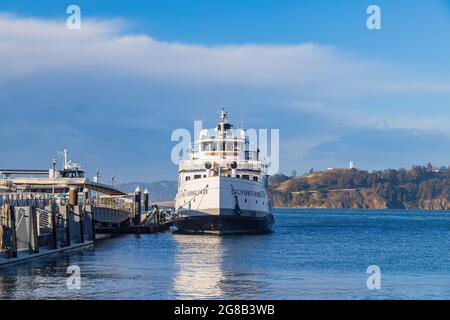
(40, 216)
(136, 216)
(31, 228)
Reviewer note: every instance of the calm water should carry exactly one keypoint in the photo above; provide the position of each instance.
(312, 254)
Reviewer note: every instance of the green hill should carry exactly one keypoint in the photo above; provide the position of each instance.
(421, 187)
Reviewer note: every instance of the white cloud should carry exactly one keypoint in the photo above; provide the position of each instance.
(112, 71)
(29, 45)
(323, 76)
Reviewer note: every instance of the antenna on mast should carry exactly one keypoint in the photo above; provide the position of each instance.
(223, 115)
(66, 155)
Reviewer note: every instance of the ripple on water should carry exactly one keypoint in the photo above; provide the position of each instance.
(312, 254)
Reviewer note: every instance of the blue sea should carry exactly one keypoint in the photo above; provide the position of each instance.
(312, 254)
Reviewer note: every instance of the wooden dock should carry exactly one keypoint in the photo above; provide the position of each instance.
(33, 225)
(56, 210)
(33, 230)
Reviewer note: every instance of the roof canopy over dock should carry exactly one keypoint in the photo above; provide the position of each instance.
(59, 183)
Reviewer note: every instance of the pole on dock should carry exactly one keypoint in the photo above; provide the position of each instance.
(92, 223)
(12, 219)
(81, 216)
(85, 196)
(86, 202)
(137, 206)
(146, 197)
(82, 211)
(158, 216)
(33, 244)
(54, 226)
(67, 226)
(73, 202)
(73, 197)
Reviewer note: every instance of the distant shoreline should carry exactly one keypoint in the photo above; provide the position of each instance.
(363, 209)
(417, 188)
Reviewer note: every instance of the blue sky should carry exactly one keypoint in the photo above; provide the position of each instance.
(114, 90)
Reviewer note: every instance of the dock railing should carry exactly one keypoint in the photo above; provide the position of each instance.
(114, 202)
(24, 199)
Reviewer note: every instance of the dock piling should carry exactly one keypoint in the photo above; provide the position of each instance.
(146, 198)
(54, 244)
(33, 243)
(73, 197)
(67, 225)
(83, 211)
(137, 206)
(81, 223)
(73, 203)
(12, 219)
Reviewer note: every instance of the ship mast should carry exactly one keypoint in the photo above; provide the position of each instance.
(223, 124)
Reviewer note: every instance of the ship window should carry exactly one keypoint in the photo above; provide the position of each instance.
(238, 176)
(188, 178)
(255, 178)
(245, 201)
(230, 146)
(206, 146)
(197, 176)
(221, 146)
(213, 146)
(246, 177)
(72, 175)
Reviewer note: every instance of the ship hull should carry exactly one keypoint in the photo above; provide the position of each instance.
(223, 224)
(223, 205)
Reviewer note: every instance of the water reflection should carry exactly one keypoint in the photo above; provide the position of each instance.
(213, 267)
(198, 261)
(36, 281)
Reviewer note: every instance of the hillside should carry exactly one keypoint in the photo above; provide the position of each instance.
(421, 187)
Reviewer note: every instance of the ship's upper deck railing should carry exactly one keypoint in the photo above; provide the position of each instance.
(241, 166)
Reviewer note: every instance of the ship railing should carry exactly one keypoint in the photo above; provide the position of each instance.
(223, 167)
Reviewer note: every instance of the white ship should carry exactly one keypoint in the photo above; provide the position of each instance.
(222, 188)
